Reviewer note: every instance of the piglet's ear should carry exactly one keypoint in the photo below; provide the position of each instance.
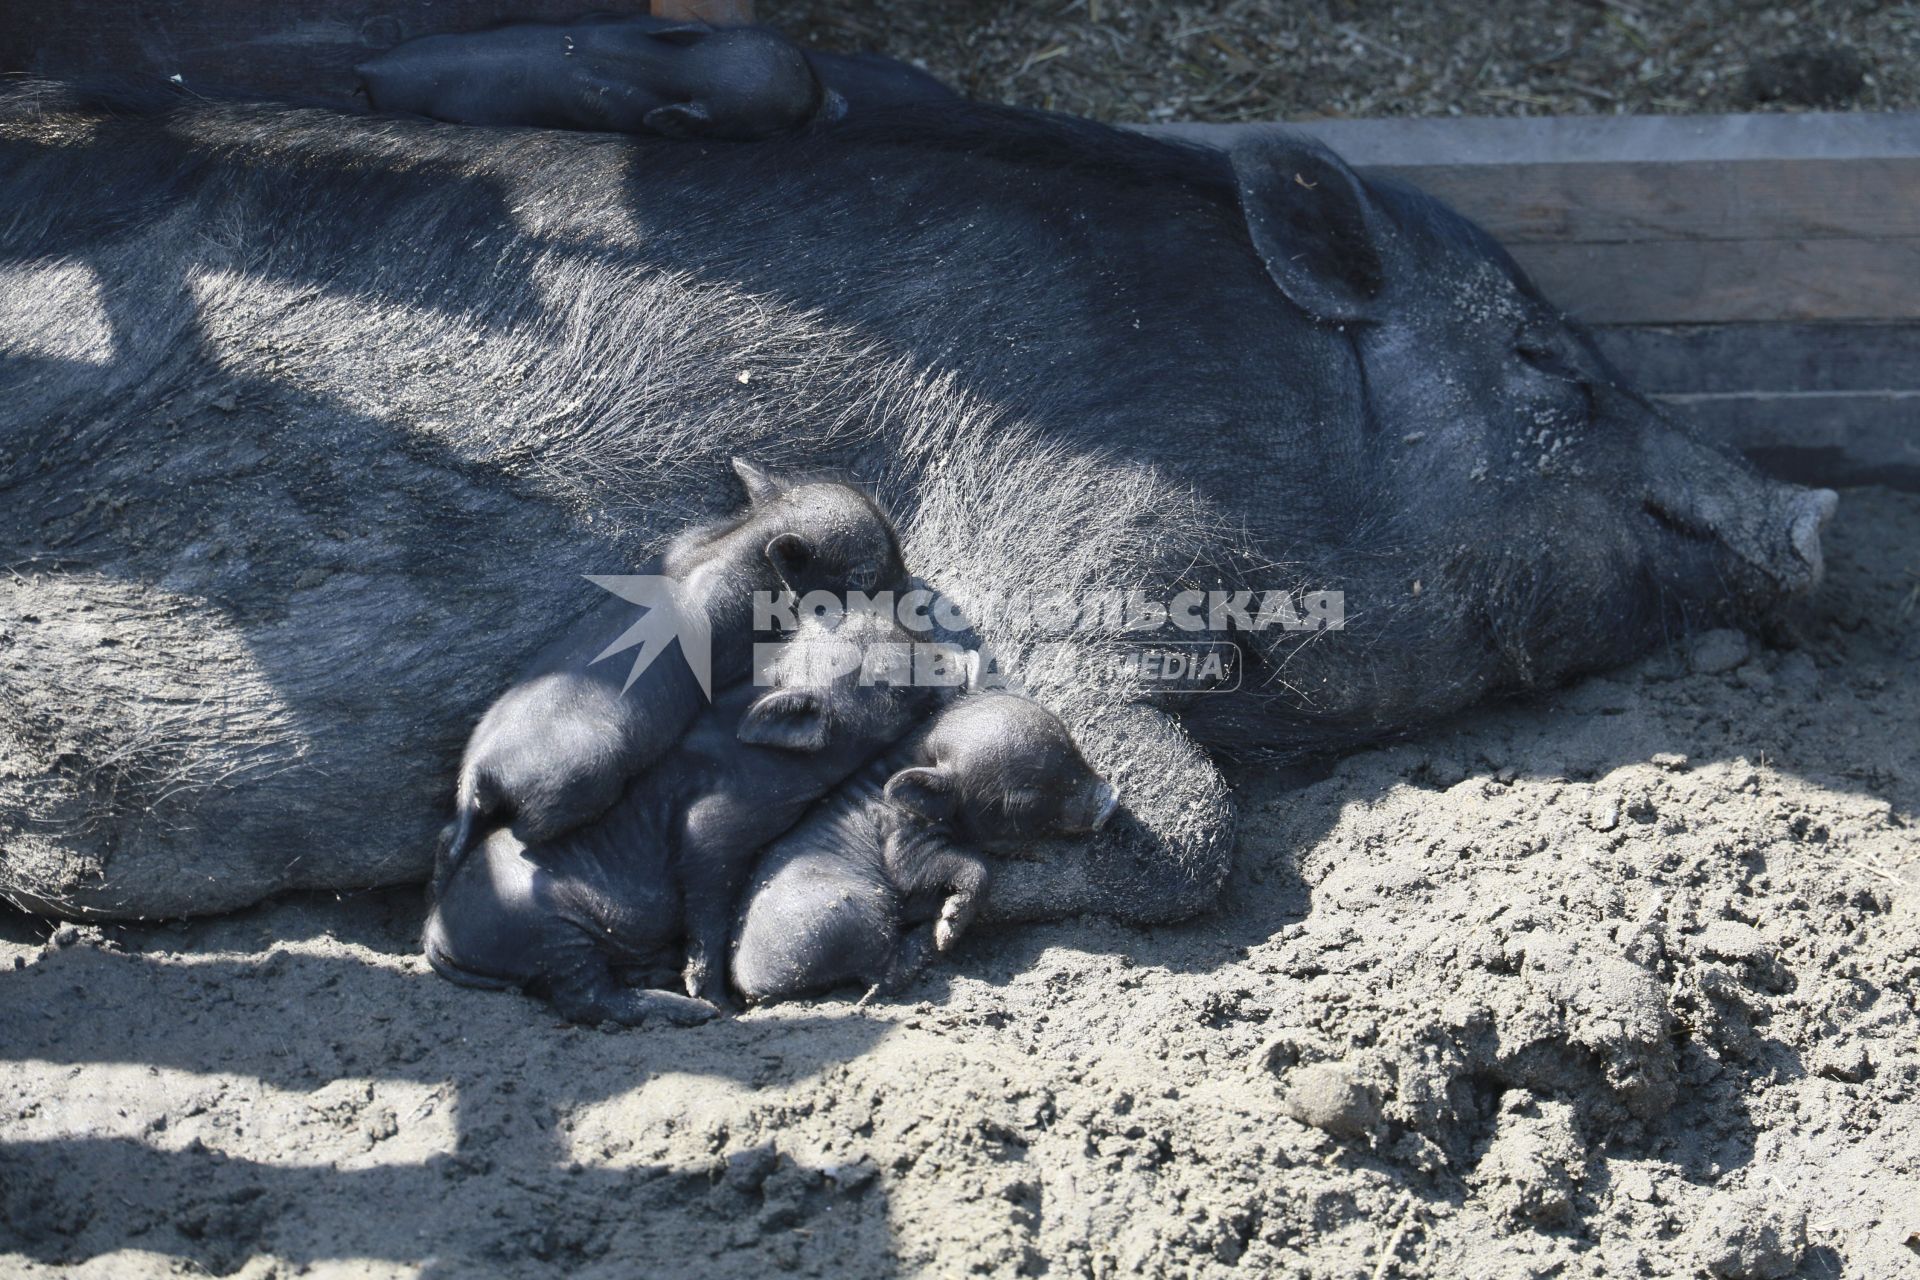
(791, 556)
(1313, 224)
(791, 719)
(679, 119)
(926, 793)
(759, 481)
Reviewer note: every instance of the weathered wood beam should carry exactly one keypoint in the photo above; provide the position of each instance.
(1729, 281)
(1735, 359)
(1479, 141)
(1830, 404)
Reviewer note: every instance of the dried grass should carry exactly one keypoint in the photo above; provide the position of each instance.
(1151, 60)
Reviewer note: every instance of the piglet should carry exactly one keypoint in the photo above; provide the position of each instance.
(890, 868)
(556, 749)
(658, 876)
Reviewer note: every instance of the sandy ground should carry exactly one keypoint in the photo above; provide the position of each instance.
(1621, 982)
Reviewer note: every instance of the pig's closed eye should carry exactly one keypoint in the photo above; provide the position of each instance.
(1020, 800)
(1547, 360)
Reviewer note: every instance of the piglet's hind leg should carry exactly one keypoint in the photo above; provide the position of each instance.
(591, 994)
(908, 962)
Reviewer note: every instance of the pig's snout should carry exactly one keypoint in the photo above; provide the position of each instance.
(1807, 516)
(1769, 528)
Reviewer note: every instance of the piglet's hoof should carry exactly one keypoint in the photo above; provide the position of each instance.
(697, 976)
(955, 916)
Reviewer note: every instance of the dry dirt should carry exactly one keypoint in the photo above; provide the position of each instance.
(1621, 982)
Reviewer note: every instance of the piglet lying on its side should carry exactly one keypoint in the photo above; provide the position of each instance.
(889, 869)
(638, 74)
(621, 74)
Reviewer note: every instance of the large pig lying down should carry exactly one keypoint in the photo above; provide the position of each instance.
(313, 421)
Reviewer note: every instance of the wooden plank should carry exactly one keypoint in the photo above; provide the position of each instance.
(1817, 438)
(1820, 404)
(1876, 198)
(1692, 282)
(1646, 178)
(1731, 359)
(1507, 141)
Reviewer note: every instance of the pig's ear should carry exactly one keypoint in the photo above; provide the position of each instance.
(790, 556)
(759, 481)
(792, 719)
(1313, 225)
(926, 793)
(679, 119)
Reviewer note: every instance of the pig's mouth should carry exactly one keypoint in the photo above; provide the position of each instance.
(1675, 522)
(1811, 511)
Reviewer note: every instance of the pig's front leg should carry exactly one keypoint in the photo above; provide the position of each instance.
(962, 876)
(922, 860)
(1165, 854)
